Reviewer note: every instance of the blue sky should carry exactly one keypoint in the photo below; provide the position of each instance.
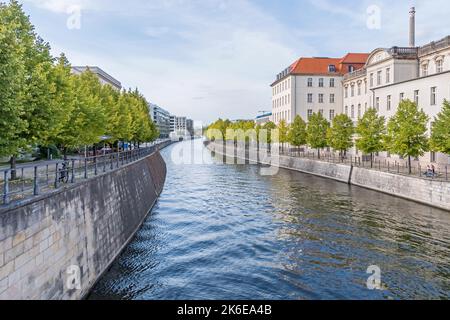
(216, 58)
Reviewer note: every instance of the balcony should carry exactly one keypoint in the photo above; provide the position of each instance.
(434, 46)
(403, 52)
(355, 74)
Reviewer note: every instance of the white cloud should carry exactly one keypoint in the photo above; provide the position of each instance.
(60, 6)
(217, 58)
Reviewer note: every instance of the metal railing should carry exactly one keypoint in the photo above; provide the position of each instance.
(401, 167)
(35, 179)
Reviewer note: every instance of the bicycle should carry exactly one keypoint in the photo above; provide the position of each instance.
(63, 174)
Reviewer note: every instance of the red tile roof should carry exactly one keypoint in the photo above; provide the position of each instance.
(314, 65)
(357, 58)
(320, 65)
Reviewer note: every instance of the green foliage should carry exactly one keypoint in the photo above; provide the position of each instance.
(440, 132)
(14, 41)
(340, 134)
(283, 131)
(297, 134)
(42, 103)
(371, 131)
(317, 132)
(407, 131)
(269, 127)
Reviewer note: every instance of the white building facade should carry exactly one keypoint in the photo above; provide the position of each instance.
(357, 82)
(421, 75)
(312, 85)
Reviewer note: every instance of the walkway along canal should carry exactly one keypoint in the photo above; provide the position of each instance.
(226, 232)
(56, 244)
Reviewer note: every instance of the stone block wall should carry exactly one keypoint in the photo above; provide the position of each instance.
(75, 232)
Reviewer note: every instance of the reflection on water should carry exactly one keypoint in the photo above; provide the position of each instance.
(225, 232)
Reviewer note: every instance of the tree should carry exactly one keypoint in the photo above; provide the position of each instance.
(407, 132)
(440, 131)
(371, 131)
(258, 129)
(297, 133)
(340, 134)
(87, 121)
(268, 127)
(12, 81)
(34, 87)
(283, 131)
(317, 132)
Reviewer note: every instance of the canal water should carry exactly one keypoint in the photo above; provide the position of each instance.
(226, 232)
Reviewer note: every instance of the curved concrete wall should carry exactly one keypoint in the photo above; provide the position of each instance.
(48, 243)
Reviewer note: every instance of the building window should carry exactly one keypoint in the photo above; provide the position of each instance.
(377, 103)
(353, 90)
(310, 82)
(320, 97)
(439, 66)
(351, 68)
(388, 75)
(332, 83)
(332, 99)
(378, 78)
(365, 107)
(310, 98)
(359, 88)
(331, 115)
(346, 92)
(353, 112)
(346, 110)
(321, 112)
(371, 80)
(359, 111)
(331, 68)
(402, 96)
(321, 83)
(424, 70)
(365, 86)
(389, 101)
(416, 97)
(433, 96)
(310, 112)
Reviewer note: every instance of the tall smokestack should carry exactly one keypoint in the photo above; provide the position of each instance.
(412, 27)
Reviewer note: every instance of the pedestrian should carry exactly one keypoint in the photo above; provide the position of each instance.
(429, 171)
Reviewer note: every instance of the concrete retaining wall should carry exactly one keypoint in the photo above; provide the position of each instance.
(429, 192)
(85, 226)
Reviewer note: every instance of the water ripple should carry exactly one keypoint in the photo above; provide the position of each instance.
(225, 232)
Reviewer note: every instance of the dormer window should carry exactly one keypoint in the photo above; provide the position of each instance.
(331, 68)
(351, 68)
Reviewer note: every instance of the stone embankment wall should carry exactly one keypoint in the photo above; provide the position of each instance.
(426, 191)
(56, 246)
